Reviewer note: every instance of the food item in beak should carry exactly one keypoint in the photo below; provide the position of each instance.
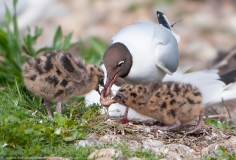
(106, 100)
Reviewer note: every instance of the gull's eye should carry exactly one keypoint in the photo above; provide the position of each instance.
(120, 63)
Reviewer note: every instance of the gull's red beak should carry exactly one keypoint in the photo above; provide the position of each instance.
(107, 92)
(109, 84)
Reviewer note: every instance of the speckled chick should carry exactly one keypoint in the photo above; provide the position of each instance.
(171, 103)
(59, 75)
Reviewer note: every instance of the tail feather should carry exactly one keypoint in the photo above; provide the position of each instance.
(164, 21)
(229, 77)
(228, 93)
(209, 92)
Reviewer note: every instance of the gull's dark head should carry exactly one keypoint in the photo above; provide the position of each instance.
(118, 62)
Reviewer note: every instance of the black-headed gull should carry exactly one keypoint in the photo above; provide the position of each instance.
(141, 53)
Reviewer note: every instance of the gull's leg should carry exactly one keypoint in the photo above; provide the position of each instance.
(48, 107)
(125, 117)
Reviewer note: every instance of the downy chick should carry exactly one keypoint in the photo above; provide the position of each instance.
(58, 75)
(171, 103)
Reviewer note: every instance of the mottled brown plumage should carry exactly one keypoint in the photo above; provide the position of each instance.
(58, 75)
(171, 103)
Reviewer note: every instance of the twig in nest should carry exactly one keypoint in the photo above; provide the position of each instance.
(216, 116)
(225, 60)
(226, 108)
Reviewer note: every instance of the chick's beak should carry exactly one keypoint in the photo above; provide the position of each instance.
(97, 89)
(101, 83)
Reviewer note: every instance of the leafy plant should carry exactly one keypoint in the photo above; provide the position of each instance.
(218, 124)
(69, 129)
(10, 50)
(27, 132)
(221, 153)
(94, 52)
(13, 46)
(30, 41)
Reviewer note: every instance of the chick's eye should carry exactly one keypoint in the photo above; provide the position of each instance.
(120, 63)
(101, 79)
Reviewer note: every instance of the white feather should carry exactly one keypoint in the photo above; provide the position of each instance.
(177, 37)
(207, 82)
(228, 93)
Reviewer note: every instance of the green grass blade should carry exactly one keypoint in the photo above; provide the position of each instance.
(3, 42)
(66, 44)
(57, 38)
(7, 18)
